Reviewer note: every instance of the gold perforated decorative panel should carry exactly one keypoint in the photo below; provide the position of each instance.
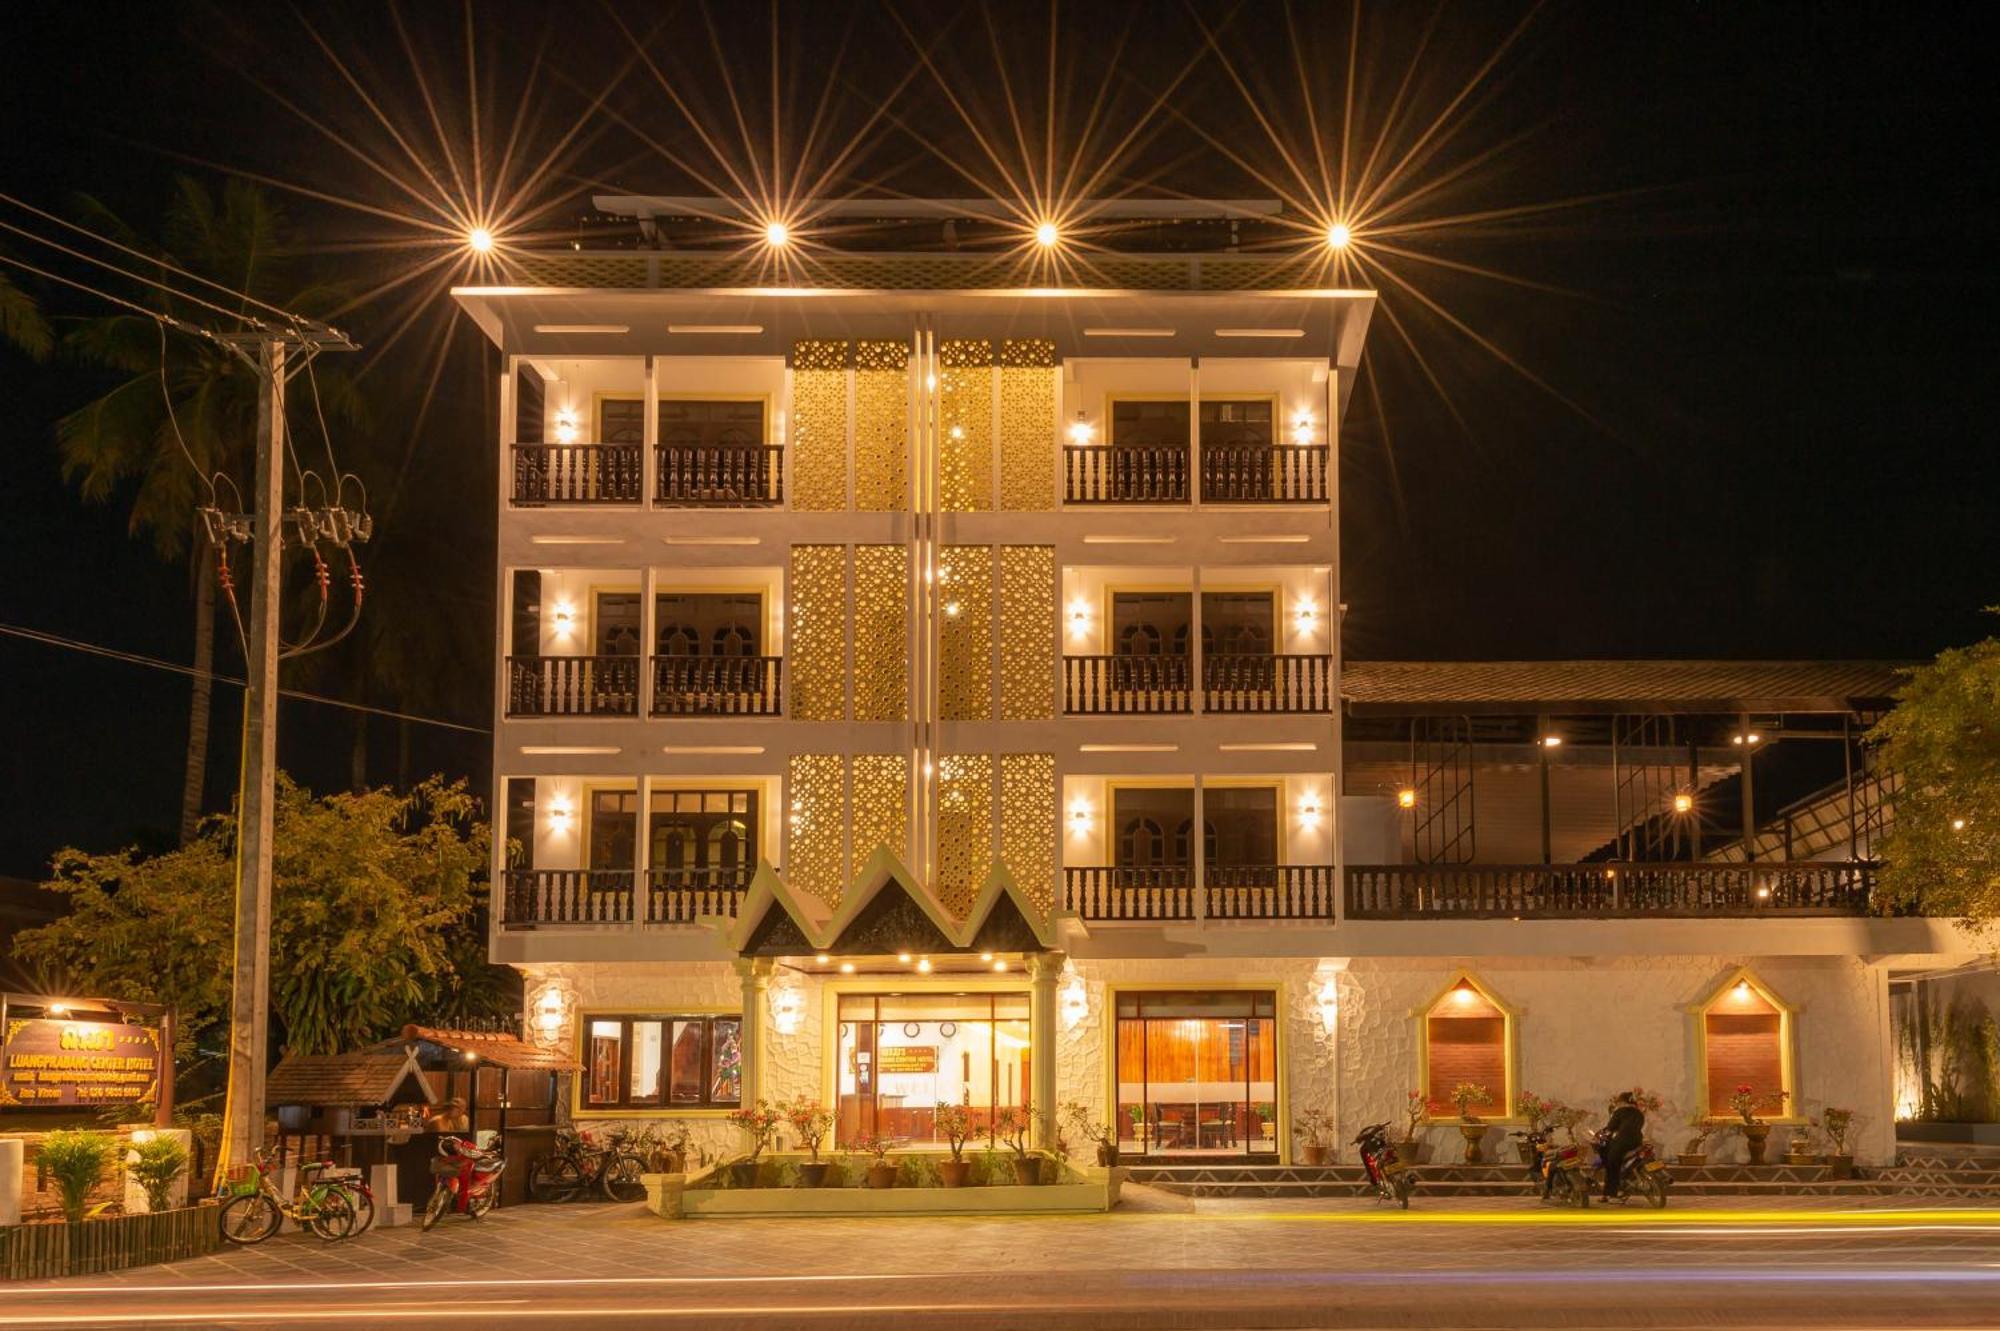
(881, 806)
(965, 632)
(881, 426)
(819, 426)
(815, 823)
(1028, 823)
(881, 634)
(815, 647)
(1027, 632)
(1027, 424)
(965, 828)
(965, 424)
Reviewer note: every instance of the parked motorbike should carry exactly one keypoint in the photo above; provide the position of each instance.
(1643, 1176)
(468, 1180)
(1560, 1169)
(1390, 1177)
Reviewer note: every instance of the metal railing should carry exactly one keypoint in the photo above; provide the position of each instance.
(1125, 474)
(1268, 892)
(1607, 891)
(717, 685)
(723, 474)
(682, 896)
(1127, 684)
(572, 686)
(577, 473)
(1162, 892)
(1263, 473)
(1256, 682)
(535, 897)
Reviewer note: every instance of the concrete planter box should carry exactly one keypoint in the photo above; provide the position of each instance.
(681, 1197)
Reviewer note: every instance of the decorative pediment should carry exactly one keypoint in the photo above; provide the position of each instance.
(886, 910)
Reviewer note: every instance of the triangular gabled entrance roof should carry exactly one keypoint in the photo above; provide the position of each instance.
(886, 909)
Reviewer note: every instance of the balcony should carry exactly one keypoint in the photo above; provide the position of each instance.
(716, 685)
(1125, 474)
(535, 898)
(1252, 682)
(1127, 685)
(572, 686)
(1228, 892)
(577, 474)
(719, 475)
(682, 896)
(1263, 474)
(1608, 891)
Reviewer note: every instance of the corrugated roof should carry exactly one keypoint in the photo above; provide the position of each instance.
(347, 1080)
(1586, 686)
(501, 1050)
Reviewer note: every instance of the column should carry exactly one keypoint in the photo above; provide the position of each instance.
(755, 972)
(1044, 969)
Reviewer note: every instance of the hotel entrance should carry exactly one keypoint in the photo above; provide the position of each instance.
(1197, 1073)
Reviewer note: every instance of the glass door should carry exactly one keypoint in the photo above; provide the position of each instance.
(1197, 1073)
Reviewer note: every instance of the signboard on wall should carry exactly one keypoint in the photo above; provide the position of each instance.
(907, 1058)
(49, 1063)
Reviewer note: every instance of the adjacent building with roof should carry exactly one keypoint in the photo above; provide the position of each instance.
(918, 681)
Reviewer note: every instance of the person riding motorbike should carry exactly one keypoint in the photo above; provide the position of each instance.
(1622, 1135)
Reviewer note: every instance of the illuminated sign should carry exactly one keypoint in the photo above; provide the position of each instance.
(907, 1058)
(50, 1063)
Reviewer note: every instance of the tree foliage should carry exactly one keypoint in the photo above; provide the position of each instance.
(1943, 740)
(372, 902)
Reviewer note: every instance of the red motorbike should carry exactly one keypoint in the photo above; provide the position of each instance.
(468, 1180)
(1389, 1177)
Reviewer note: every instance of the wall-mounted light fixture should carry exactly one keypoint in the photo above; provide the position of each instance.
(563, 617)
(1302, 430)
(1552, 741)
(566, 425)
(788, 1008)
(1079, 816)
(1079, 617)
(1305, 615)
(1406, 798)
(1081, 432)
(1309, 810)
(1326, 998)
(550, 1010)
(1072, 1001)
(560, 814)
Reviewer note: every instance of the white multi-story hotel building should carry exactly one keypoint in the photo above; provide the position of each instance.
(918, 680)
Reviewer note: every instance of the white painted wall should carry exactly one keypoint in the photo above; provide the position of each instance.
(574, 385)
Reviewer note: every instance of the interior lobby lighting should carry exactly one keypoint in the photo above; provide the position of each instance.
(1047, 235)
(479, 240)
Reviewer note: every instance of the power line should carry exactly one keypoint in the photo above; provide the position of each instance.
(134, 658)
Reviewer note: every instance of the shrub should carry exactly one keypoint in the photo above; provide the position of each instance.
(76, 1161)
(154, 1164)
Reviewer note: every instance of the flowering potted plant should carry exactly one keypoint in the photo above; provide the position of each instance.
(1011, 1126)
(1314, 1129)
(760, 1123)
(1076, 1117)
(881, 1174)
(954, 1124)
(1747, 1101)
(1417, 1107)
(811, 1121)
(1537, 1112)
(1464, 1096)
(1700, 1129)
(1835, 1123)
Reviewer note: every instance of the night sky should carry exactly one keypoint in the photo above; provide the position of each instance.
(1750, 413)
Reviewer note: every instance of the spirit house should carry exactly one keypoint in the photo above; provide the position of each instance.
(918, 683)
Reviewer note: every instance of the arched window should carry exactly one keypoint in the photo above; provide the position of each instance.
(1468, 1038)
(1744, 1032)
(1141, 844)
(1139, 640)
(734, 640)
(679, 640)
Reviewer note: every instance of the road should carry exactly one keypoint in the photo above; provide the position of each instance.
(1173, 1265)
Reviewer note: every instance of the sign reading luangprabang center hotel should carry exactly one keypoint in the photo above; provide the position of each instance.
(51, 1063)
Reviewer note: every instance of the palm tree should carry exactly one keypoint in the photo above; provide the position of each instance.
(184, 411)
(21, 323)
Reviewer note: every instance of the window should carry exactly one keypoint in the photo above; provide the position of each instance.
(621, 420)
(1237, 623)
(903, 1055)
(1466, 1041)
(615, 624)
(1198, 1072)
(705, 423)
(704, 833)
(614, 816)
(646, 1061)
(1153, 826)
(1240, 423)
(728, 624)
(1242, 825)
(1143, 423)
(1151, 623)
(1744, 1036)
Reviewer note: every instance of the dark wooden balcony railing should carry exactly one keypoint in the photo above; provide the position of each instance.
(577, 474)
(1127, 684)
(1162, 892)
(716, 685)
(1250, 682)
(682, 896)
(721, 474)
(572, 686)
(1125, 474)
(1263, 474)
(537, 897)
(1606, 891)
(1269, 892)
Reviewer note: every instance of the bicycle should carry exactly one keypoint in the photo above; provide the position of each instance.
(258, 1209)
(354, 1183)
(579, 1165)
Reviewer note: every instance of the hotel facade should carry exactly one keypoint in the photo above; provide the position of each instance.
(919, 681)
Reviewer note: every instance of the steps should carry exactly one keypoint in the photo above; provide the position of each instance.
(1923, 1176)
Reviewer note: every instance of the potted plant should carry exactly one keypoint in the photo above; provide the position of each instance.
(811, 1121)
(1417, 1108)
(1137, 1113)
(1011, 1125)
(76, 1161)
(1746, 1101)
(1700, 1129)
(760, 1123)
(1076, 1117)
(1799, 1146)
(154, 1164)
(670, 1154)
(1536, 1111)
(1314, 1130)
(874, 1147)
(1835, 1123)
(1464, 1096)
(954, 1124)
(1266, 1124)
